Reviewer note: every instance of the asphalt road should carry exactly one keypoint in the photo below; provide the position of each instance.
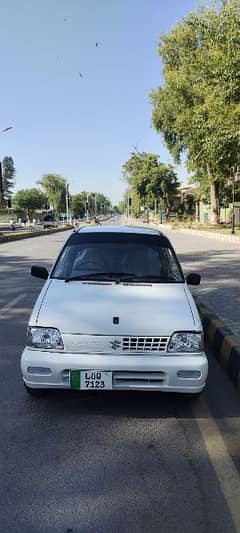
(113, 462)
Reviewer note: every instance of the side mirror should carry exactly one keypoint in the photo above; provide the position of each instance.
(193, 279)
(39, 272)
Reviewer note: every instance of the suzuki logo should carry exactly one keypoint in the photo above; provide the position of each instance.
(115, 345)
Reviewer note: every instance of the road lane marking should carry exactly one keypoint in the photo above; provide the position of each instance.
(226, 472)
(11, 304)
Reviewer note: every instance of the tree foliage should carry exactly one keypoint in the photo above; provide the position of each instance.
(188, 206)
(55, 188)
(93, 202)
(150, 180)
(8, 174)
(28, 200)
(197, 109)
(8, 180)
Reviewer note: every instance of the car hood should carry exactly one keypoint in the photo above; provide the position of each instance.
(89, 307)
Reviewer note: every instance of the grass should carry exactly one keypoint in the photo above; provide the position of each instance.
(15, 236)
(226, 230)
(215, 228)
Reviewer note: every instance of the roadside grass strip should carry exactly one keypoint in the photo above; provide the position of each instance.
(224, 344)
(29, 234)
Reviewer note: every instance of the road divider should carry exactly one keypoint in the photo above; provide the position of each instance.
(224, 344)
(30, 234)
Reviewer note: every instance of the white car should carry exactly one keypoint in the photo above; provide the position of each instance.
(115, 313)
(49, 221)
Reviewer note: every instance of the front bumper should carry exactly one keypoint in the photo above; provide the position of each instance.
(42, 369)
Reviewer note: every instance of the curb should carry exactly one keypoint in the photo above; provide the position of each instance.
(224, 344)
(217, 236)
(19, 237)
(200, 233)
(203, 233)
(210, 235)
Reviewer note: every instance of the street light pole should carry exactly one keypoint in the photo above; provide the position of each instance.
(233, 204)
(87, 208)
(67, 202)
(234, 178)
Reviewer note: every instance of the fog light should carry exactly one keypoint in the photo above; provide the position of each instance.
(39, 370)
(189, 374)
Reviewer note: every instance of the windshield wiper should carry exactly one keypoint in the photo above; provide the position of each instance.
(106, 276)
(149, 278)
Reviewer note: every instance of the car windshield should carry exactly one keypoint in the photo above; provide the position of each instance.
(118, 257)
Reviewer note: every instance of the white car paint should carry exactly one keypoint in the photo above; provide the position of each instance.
(83, 312)
(143, 309)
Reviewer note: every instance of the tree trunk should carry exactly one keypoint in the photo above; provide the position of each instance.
(2, 203)
(214, 198)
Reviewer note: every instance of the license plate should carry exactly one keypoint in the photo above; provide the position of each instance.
(90, 380)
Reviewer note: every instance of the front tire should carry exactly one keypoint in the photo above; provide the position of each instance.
(37, 393)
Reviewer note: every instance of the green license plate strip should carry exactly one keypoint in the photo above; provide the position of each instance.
(75, 379)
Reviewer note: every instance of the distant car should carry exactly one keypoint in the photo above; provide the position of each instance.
(115, 313)
(50, 221)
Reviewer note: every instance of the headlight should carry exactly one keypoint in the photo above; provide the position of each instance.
(185, 342)
(47, 338)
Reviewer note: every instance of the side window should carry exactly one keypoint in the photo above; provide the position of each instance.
(65, 262)
(172, 270)
(59, 269)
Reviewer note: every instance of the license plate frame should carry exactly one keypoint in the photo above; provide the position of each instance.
(91, 380)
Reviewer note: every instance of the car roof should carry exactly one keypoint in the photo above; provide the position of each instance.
(139, 230)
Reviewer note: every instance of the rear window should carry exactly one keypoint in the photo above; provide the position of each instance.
(110, 255)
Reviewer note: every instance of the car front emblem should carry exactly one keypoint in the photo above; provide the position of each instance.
(115, 345)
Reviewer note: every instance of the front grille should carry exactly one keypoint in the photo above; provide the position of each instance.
(117, 345)
(144, 344)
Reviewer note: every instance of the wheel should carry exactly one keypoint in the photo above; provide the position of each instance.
(37, 393)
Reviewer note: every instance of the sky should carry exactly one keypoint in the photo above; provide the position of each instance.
(83, 128)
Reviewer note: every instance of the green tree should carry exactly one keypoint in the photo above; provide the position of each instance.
(163, 187)
(197, 109)
(54, 187)
(101, 202)
(188, 206)
(94, 200)
(78, 205)
(118, 209)
(8, 179)
(28, 200)
(150, 180)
